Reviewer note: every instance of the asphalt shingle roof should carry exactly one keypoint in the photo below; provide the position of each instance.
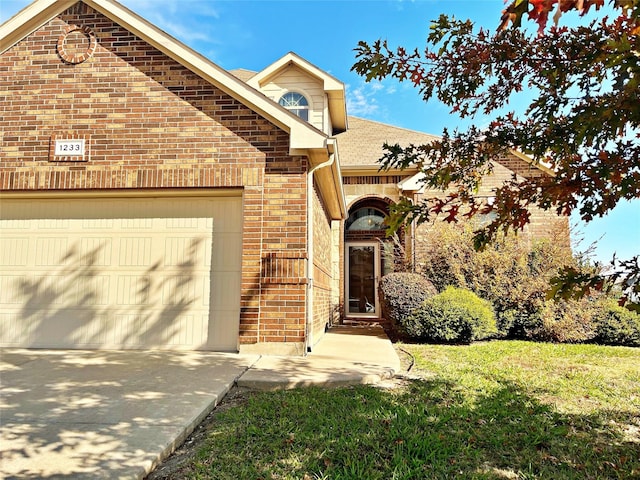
(243, 74)
(361, 144)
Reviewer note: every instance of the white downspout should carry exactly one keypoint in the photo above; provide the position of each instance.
(310, 252)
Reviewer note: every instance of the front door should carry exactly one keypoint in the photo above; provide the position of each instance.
(362, 275)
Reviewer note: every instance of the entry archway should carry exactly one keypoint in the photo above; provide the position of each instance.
(366, 257)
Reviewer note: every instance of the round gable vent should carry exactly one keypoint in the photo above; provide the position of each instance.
(76, 44)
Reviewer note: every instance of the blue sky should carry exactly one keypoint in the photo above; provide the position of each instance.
(252, 34)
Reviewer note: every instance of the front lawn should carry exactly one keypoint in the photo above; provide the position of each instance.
(495, 410)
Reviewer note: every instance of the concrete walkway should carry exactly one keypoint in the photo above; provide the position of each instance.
(345, 355)
(103, 414)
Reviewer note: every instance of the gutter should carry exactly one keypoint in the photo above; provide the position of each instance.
(310, 251)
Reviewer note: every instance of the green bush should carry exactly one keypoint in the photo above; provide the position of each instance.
(575, 321)
(520, 322)
(401, 294)
(512, 273)
(454, 316)
(615, 325)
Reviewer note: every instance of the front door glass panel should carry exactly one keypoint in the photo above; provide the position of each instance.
(361, 285)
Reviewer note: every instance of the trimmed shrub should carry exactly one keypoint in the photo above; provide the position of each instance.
(454, 316)
(615, 325)
(401, 294)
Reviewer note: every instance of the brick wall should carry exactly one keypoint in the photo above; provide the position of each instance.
(355, 191)
(543, 223)
(150, 123)
(322, 268)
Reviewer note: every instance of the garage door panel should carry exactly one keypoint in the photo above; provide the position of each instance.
(218, 335)
(10, 292)
(134, 251)
(179, 290)
(14, 251)
(13, 331)
(98, 224)
(133, 290)
(119, 275)
(93, 332)
(186, 252)
(46, 289)
(92, 289)
(54, 224)
(228, 215)
(53, 251)
(95, 251)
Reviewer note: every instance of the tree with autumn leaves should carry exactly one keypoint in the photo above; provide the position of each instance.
(583, 120)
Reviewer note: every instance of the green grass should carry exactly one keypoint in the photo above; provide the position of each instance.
(494, 410)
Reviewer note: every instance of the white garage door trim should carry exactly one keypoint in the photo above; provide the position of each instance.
(130, 270)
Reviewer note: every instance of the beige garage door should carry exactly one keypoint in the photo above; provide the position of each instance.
(120, 272)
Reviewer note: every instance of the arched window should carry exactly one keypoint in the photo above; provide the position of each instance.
(365, 218)
(297, 104)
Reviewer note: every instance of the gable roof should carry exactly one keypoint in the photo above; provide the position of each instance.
(303, 135)
(333, 87)
(304, 138)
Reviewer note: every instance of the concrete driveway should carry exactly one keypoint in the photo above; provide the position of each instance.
(104, 414)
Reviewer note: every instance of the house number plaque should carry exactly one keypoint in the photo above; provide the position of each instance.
(69, 148)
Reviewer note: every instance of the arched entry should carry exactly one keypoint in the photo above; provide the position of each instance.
(365, 261)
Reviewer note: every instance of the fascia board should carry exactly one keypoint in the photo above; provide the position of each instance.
(337, 179)
(338, 110)
(330, 183)
(29, 19)
(414, 183)
(532, 162)
(330, 83)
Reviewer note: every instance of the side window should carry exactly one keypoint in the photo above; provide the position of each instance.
(296, 104)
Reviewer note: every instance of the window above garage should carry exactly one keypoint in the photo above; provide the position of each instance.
(297, 104)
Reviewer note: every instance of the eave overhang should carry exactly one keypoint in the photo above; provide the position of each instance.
(541, 166)
(329, 179)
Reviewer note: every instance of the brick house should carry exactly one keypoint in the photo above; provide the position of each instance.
(151, 199)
